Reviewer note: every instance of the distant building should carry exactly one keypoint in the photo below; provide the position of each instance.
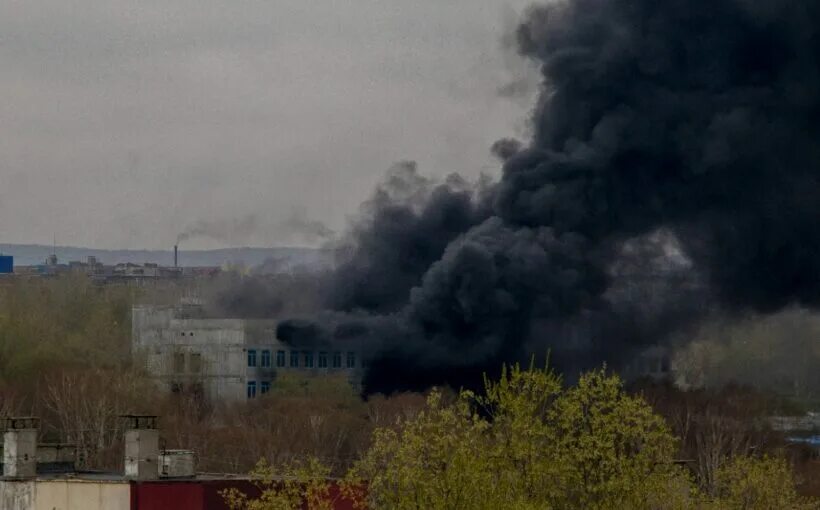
(128, 273)
(226, 359)
(6, 264)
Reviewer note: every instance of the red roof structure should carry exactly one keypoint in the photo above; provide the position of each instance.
(204, 494)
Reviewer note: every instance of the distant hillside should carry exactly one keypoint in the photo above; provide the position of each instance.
(282, 258)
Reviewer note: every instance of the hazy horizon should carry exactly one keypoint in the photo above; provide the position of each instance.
(290, 256)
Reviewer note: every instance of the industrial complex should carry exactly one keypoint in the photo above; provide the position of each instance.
(100, 273)
(224, 359)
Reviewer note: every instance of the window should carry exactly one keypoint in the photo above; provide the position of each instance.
(264, 387)
(265, 359)
(322, 360)
(179, 362)
(195, 363)
(294, 359)
(251, 389)
(308, 359)
(351, 360)
(337, 360)
(251, 358)
(280, 358)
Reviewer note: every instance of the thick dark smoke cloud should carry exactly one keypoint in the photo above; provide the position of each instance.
(506, 148)
(698, 119)
(409, 222)
(699, 115)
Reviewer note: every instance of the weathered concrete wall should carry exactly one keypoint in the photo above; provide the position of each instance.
(169, 344)
(213, 353)
(141, 452)
(82, 495)
(147, 322)
(20, 452)
(17, 495)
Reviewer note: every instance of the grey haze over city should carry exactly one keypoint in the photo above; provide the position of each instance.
(125, 125)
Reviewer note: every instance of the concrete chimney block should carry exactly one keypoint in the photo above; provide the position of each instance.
(141, 447)
(141, 454)
(20, 447)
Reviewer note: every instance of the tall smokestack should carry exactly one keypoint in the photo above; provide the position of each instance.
(176, 256)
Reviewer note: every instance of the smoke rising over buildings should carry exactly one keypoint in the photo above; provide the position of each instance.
(243, 230)
(696, 120)
(228, 230)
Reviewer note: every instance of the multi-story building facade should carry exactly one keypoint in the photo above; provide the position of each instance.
(226, 359)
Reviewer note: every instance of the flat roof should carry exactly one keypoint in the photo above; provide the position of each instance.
(110, 477)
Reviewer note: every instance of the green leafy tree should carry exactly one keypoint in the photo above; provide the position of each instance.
(293, 486)
(528, 443)
(749, 483)
(610, 447)
(440, 459)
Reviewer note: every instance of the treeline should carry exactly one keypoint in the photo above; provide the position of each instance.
(301, 417)
(63, 322)
(529, 442)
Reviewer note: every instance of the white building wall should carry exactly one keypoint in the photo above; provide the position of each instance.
(64, 495)
(81, 495)
(16, 495)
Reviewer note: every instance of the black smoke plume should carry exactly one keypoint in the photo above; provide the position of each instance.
(410, 221)
(694, 118)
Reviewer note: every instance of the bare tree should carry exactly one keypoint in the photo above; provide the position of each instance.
(86, 406)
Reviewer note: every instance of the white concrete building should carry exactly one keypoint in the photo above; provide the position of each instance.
(56, 492)
(225, 359)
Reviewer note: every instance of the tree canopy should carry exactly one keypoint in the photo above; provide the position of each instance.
(528, 442)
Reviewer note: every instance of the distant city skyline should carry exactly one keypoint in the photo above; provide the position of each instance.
(125, 123)
(283, 257)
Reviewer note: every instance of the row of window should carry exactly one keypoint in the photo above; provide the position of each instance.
(264, 387)
(298, 359)
(306, 358)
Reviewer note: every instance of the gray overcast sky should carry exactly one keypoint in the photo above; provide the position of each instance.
(122, 122)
